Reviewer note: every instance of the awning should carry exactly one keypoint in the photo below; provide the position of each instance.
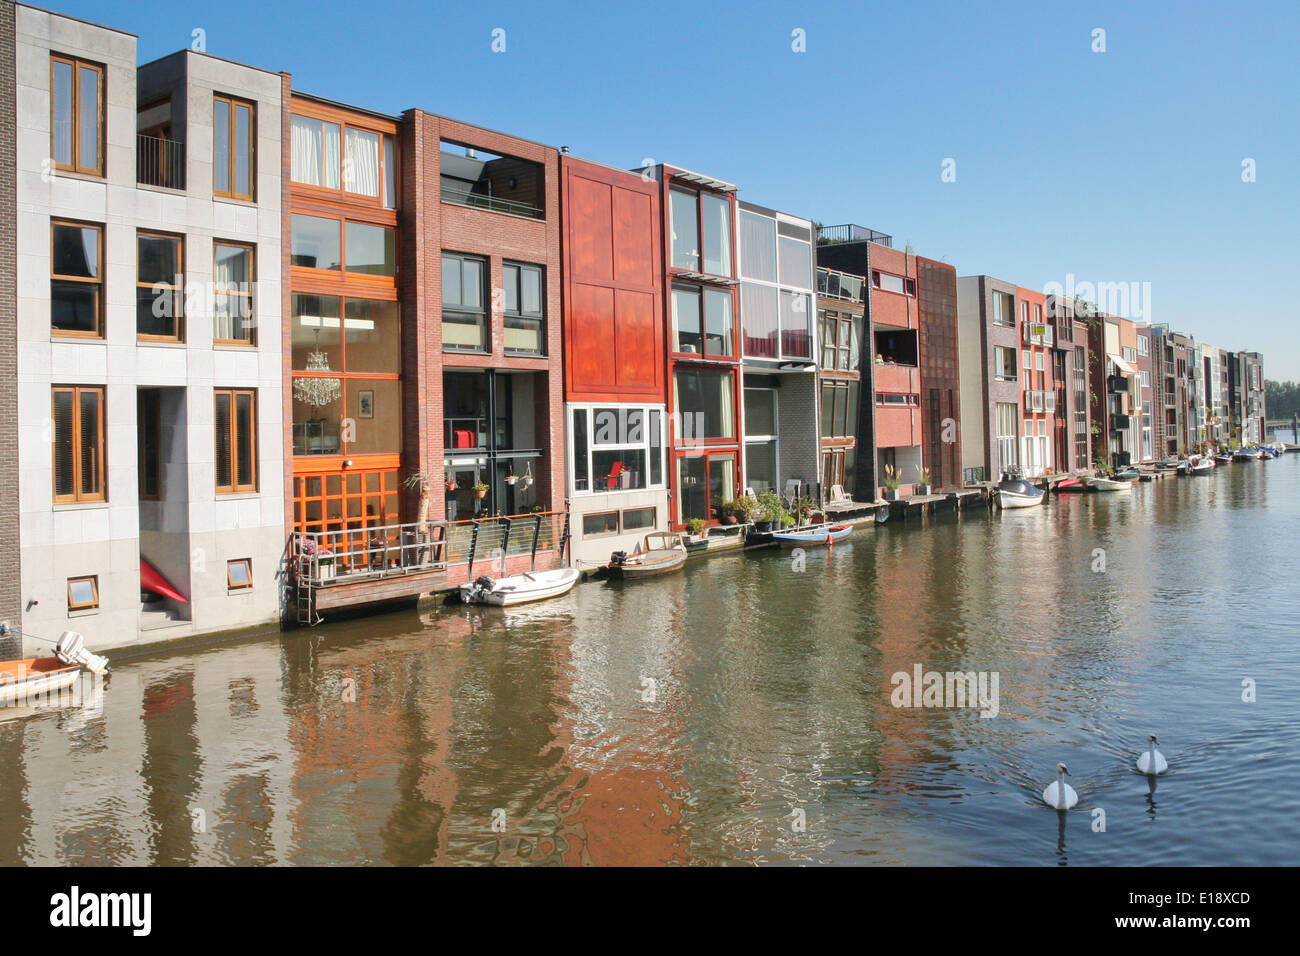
(1121, 364)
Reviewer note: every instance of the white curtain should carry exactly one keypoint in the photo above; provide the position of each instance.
(225, 278)
(362, 165)
(315, 146)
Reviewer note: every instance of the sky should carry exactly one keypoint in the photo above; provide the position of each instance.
(1009, 139)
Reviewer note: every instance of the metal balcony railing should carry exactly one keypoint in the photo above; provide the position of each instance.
(354, 554)
(849, 232)
(159, 162)
(455, 192)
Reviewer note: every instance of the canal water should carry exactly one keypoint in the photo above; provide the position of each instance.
(738, 713)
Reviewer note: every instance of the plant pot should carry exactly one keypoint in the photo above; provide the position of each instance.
(763, 527)
(923, 490)
(729, 519)
(451, 486)
(890, 494)
(511, 479)
(481, 494)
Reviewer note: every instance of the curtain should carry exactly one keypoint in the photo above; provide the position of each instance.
(757, 246)
(362, 163)
(759, 319)
(225, 278)
(307, 135)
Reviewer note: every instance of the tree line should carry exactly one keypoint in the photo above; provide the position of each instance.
(1282, 399)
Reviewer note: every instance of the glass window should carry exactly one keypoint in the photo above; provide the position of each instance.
(757, 246)
(716, 213)
(232, 308)
(796, 318)
(232, 148)
(77, 114)
(370, 249)
(760, 317)
(796, 263)
(685, 227)
(315, 152)
(361, 163)
(887, 282)
(600, 524)
(235, 429)
(523, 308)
(316, 243)
(76, 279)
(635, 519)
(464, 317)
(656, 436)
(316, 342)
(717, 322)
(687, 332)
(239, 574)
(372, 341)
(760, 411)
(160, 287)
(78, 427)
(580, 470)
(760, 465)
(83, 593)
(703, 400)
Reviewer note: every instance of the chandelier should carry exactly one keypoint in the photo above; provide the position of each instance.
(317, 391)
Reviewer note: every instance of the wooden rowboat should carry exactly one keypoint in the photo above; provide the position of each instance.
(662, 553)
(821, 534)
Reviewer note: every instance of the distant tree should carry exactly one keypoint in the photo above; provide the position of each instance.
(1282, 399)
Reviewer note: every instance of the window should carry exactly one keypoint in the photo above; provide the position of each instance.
(472, 176)
(335, 156)
(898, 398)
(700, 221)
(369, 250)
(795, 259)
(1024, 313)
(1004, 364)
(83, 593)
(839, 409)
(1028, 358)
(78, 413)
(464, 314)
(315, 243)
(524, 310)
(239, 574)
(702, 401)
(159, 287)
(1144, 345)
(148, 417)
(1003, 311)
(601, 524)
(235, 427)
(232, 305)
(714, 336)
(1038, 315)
(634, 519)
(1130, 354)
(1006, 431)
(887, 282)
(1146, 379)
(77, 116)
(841, 335)
(1038, 361)
(622, 447)
(796, 325)
(760, 438)
(233, 137)
(354, 247)
(758, 246)
(77, 279)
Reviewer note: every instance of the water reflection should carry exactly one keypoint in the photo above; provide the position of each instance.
(737, 713)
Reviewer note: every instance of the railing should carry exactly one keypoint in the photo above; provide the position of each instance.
(463, 197)
(355, 554)
(159, 162)
(840, 285)
(482, 542)
(848, 232)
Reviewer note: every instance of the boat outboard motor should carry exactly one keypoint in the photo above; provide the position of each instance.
(618, 558)
(71, 649)
(483, 582)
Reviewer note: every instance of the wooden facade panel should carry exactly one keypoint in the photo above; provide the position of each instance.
(634, 239)
(590, 230)
(591, 338)
(638, 341)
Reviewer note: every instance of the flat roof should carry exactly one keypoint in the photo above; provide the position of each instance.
(68, 16)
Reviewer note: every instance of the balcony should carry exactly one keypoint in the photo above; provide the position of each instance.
(1120, 423)
(852, 233)
(482, 180)
(159, 162)
(839, 285)
(1117, 385)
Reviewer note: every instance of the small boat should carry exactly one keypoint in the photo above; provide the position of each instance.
(821, 534)
(34, 677)
(1246, 454)
(1018, 493)
(1070, 486)
(1201, 466)
(1289, 447)
(519, 588)
(1223, 459)
(662, 553)
(1128, 474)
(1110, 484)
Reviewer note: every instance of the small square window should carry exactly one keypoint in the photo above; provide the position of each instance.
(598, 525)
(239, 574)
(634, 519)
(83, 593)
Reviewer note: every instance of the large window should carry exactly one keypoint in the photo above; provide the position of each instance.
(757, 246)
(339, 156)
(888, 282)
(1004, 364)
(232, 303)
(78, 413)
(702, 321)
(159, 287)
(839, 409)
(464, 310)
(235, 428)
(234, 135)
(703, 404)
(77, 279)
(616, 449)
(77, 116)
(1006, 432)
(841, 334)
(701, 232)
(524, 308)
(357, 248)
(1003, 310)
(760, 439)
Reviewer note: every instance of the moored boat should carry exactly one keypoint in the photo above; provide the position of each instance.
(35, 677)
(821, 534)
(1202, 465)
(1223, 459)
(1018, 493)
(1128, 474)
(662, 553)
(1246, 454)
(520, 588)
(1110, 484)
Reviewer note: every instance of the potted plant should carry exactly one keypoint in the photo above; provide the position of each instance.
(923, 480)
(528, 475)
(480, 489)
(511, 478)
(744, 508)
(891, 483)
(696, 527)
(451, 482)
(771, 512)
(787, 521)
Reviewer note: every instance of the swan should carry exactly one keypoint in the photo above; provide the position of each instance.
(1060, 794)
(1152, 761)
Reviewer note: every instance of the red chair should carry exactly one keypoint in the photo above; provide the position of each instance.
(463, 438)
(614, 472)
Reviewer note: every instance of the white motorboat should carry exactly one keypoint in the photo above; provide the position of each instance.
(1200, 465)
(1018, 493)
(1110, 484)
(39, 677)
(519, 588)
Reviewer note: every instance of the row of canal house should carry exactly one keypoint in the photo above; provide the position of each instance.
(246, 322)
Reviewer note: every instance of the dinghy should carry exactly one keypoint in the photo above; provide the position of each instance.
(821, 534)
(1111, 484)
(519, 588)
(1018, 493)
(662, 553)
(1201, 466)
(22, 680)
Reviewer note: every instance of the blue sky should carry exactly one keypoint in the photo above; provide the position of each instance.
(1122, 166)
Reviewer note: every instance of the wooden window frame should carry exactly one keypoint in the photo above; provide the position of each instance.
(618, 524)
(251, 324)
(77, 66)
(97, 282)
(340, 194)
(342, 273)
(177, 290)
(230, 582)
(231, 395)
(82, 605)
(233, 102)
(77, 496)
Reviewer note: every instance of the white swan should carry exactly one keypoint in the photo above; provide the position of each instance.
(1152, 761)
(1060, 794)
